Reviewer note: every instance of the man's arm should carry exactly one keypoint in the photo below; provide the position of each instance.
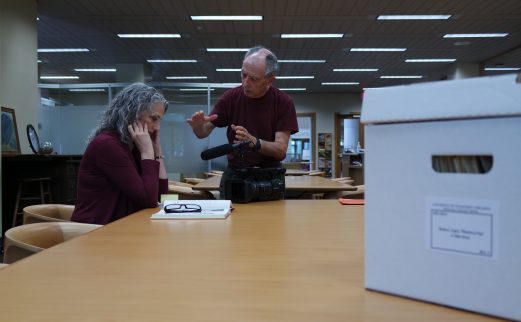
(276, 149)
(201, 125)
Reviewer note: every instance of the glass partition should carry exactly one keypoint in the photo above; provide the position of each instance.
(69, 113)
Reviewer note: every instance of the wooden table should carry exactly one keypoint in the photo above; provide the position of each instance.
(292, 260)
(293, 183)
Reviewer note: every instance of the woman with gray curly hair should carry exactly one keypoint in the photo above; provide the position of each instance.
(122, 170)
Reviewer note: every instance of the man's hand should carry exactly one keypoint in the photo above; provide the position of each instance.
(201, 124)
(241, 135)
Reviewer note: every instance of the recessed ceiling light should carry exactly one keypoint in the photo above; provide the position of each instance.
(378, 49)
(226, 17)
(311, 35)
(295, 77)
(59, 77)
(86, 90)
(340, 83)
(413, 17)
(38, 61)
(195, 89)
(402, 76)
(433, 60)
(293, 89)
(228, 69)
(226, 49)
(171, 60)
(502, 68)
(61, 50)
(355, 69)
(301, 60)
(186, 77)
(95, 69)
(149, 35)
(489, 35)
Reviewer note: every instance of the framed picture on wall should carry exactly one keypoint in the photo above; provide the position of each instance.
(10, 141)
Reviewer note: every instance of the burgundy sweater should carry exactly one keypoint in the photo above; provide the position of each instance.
(262, 117)
(114, 182)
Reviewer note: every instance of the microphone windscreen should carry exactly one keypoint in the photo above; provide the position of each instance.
(216, 152)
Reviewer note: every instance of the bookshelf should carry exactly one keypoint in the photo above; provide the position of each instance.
(325, 151)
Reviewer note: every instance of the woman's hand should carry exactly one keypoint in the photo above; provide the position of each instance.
(142, 139)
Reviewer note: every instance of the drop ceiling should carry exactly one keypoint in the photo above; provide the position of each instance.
(94, 24)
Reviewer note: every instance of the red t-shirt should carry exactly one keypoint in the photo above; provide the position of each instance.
(262, 117)
(114, 182)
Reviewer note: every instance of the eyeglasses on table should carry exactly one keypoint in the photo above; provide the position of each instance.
(182, 207)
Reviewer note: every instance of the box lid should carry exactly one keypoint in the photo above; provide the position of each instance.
(478, 97)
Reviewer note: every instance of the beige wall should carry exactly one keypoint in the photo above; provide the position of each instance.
(18, 64)
(325, 106)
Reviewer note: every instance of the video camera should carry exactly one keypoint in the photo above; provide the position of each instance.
(255, 184)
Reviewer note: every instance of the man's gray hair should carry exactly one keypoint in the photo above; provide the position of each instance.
(126, 108)
(272, 63)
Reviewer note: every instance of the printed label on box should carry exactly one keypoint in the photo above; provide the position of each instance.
(462, 226)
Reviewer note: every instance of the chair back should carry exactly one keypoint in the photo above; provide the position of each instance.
(187, 193)
(47, 212)
(25, 240)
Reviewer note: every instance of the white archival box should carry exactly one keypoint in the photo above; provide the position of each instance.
(447, 238)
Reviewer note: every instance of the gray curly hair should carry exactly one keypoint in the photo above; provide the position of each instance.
(126, 108)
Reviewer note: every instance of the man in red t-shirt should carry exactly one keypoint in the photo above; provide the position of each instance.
(254, 112)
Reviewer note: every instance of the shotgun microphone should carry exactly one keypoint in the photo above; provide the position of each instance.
(221, 150)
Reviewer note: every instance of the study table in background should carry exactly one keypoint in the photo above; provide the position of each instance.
(312, 184)
(289, 260)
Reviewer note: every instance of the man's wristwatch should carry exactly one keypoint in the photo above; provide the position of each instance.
(257, 145)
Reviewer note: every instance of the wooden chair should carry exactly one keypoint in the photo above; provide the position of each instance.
(41, 193)
(193, 180)
(359, 193)
(25, 240)
(179, 183)
(187, 193)
(47, 212)
(341, 179)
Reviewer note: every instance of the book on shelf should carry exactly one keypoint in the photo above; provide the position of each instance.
(194, 209)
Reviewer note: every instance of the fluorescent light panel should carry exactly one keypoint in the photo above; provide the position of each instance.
(61, 50)
(95, 69)
(226, 49)
(293, 89)
(413, 17)
(305, 61)
(378, 49)
(228, 70)
(226, 17)
(431, 60)
(489, 35)
(502, 68)
(295, 77)
(171, 60)
(340, 83)
(195, 89)
(149, 35)
(402, 76)
(186, 77)
(87, 90)
(59, 77)
(355, 69)
(311, 35)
